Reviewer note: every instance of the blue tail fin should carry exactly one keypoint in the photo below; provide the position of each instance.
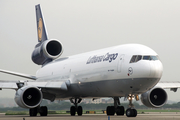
(41, 28)
(46, 50)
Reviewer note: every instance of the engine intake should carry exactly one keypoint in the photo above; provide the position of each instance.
(155, 97)
(54, 48)
(47, 51)
(28, 97)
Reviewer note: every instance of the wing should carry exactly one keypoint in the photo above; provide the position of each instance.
(173, 86)
(61, 85)
(8, 85)
(17, 84)
(18, 74)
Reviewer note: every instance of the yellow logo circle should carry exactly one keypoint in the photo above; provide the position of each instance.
(40, 27)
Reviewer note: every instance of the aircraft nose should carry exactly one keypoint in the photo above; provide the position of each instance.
(156, 69)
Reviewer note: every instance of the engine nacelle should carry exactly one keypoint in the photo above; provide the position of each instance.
(155, 97)
(47, 51)
(28, 97)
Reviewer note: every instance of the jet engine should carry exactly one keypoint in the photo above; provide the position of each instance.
(155, 97)
(28, 97)
(47, 51)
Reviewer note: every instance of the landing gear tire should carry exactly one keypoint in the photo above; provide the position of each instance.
(131, 112)
(73, 110)
(79, 110)
(110, 110)
(43, 111)
(33, 111)
(135, 112)
(120, 110)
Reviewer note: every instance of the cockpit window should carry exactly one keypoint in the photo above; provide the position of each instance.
(133, 58)
(154, 57)
(136, 58)
(139, 57)
(146, 58)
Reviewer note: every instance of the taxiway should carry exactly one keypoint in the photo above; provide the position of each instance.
(146, 116)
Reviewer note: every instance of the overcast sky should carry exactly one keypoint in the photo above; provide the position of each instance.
(85, 25)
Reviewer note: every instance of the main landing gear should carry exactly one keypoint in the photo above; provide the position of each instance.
(76, 108)
(119, 110)
(43, 111)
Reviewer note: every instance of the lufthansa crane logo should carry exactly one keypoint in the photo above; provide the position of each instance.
(40, 27)
(130, 71)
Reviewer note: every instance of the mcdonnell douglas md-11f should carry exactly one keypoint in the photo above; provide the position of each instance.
(127, 71)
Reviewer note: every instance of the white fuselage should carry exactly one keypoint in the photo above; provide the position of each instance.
(104, 73)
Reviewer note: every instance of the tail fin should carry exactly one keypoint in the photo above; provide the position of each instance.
(47, 49)
(41, 28)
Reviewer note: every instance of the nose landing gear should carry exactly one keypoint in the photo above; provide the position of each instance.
(131, 111)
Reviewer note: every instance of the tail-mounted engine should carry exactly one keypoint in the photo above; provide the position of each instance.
(155, 97)
(28, 97)
(47, 51)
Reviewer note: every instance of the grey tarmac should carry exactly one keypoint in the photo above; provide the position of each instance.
(147, 116)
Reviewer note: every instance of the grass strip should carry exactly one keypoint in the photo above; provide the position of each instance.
(16, 113)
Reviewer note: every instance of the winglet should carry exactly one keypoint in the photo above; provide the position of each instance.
(41, 27)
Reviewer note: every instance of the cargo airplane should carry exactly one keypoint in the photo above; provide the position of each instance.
(128, 71)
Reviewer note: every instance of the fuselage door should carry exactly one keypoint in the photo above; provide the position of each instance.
(120, 62)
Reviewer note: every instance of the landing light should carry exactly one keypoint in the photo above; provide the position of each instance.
(129, 98)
